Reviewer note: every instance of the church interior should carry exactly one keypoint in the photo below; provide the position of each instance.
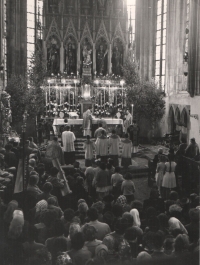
(99, 123)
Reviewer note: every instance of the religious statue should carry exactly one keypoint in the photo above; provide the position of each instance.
(70, 59)
(87, 51)
(53, 58)
(116, 61)
(101, 60)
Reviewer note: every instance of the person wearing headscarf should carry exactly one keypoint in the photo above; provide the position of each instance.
(174, 223)
(40, 207)
(136, 217)
(101, 251)
(8, 215)
(121, 200)
(143, 257)
(16, 225)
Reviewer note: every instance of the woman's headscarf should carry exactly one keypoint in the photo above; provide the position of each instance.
(8, 215)
(41, 206)
(143, 257)
(174, 223)
(101, 251)
(136, 217)
(16, 225)
(121, 200)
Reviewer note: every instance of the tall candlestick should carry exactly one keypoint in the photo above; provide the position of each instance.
(49, 94)
(74, 100)
(132, 112)
(104, 98)
(60, 95)
(46, 99)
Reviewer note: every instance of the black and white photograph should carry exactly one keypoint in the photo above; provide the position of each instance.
(99, 132)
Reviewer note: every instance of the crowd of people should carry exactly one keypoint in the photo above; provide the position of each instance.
(91, 216)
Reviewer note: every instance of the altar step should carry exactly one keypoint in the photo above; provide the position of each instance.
(78, 144)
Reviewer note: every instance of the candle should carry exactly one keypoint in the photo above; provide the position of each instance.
(74, 101)
(60, 96)
(132, 112)
(46, 99)
(104, 98)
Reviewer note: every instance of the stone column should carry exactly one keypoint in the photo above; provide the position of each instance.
(61, 58)
(109, 58)
(44, 48)
(94, 58)
(78, 57)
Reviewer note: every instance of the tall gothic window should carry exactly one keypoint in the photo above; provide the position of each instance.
(4, 44)
(131, 18)
(161, 42)
(187, 26)
(34, 26)
(31, 25)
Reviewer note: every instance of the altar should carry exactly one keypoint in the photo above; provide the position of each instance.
(76, 125)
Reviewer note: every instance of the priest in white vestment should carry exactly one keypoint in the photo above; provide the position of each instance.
(89, 147)
(102, 144)
(87, 122)
(126, 152)
(68, 139)
(128, 121)
(114, 142)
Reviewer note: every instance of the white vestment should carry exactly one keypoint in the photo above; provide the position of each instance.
(68, 139)
(114, 142)
(102, 146)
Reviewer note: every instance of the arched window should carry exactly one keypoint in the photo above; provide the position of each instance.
(161, 42)
(131, 17)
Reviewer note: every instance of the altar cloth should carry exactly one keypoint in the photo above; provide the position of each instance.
(71, 122)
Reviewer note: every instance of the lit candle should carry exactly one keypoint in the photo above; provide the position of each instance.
(132, 112)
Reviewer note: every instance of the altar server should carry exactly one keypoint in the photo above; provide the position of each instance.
(114, 142)
(126, 152)
(102, 144)
(87, 122)
(89, 147)
(68, 139)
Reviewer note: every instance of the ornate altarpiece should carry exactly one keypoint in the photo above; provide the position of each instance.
(84, 40)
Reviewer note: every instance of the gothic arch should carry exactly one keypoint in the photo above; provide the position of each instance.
(171, 120)
(70, 34)
(118, 35)
(177, 117)
(102, 34)
(184, 118)
(53, 33)
(86, 35)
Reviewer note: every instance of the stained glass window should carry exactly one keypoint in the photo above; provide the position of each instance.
(161, 42)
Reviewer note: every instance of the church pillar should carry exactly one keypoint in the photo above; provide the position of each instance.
(78, 57)
(94, 58)
(44, 48)
(109, 59)
(61, 58)
(194, 54)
